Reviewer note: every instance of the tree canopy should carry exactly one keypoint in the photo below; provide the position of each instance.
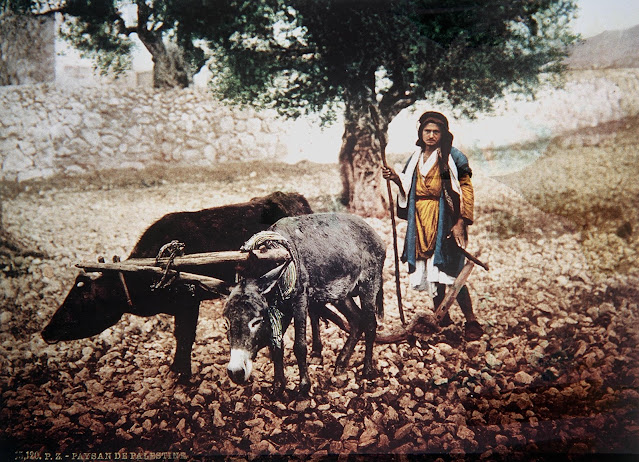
(381, 56)
(314, 53)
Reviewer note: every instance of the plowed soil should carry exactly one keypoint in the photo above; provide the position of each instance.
(556, 373)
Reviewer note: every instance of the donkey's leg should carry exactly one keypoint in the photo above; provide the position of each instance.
(369, 326)
(350, 311)
(299, 344)
(314, 311)
(345, 306)
(279, 380)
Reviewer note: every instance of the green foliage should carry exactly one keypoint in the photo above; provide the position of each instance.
(313, 54)
(15, 6)
(96, 39)
(307, 56)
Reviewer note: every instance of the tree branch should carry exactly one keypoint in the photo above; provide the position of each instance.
(49, 12)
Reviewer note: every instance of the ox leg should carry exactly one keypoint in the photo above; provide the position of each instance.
(299, 345)
(185, 327)
(348, 306)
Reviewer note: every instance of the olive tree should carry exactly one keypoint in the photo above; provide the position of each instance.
(370, 59)
(102, 30)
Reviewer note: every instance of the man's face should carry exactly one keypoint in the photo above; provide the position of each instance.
(431, 136)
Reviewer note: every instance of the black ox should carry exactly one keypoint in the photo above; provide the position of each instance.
(98, 301)
(335, 257)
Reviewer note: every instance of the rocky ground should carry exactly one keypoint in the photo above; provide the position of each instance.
(556, 372)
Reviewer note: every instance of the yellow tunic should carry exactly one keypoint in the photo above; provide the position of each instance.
(428, 188)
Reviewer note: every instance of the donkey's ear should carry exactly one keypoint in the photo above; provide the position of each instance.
(266, 282)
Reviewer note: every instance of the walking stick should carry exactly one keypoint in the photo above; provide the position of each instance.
(391, 205)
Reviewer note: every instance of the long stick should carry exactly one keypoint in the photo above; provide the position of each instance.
(391, 205)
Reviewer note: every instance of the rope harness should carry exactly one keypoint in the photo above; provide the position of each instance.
(286, 280)
(172, 249)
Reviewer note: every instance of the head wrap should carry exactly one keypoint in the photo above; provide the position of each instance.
(432, 117)
(451, 200)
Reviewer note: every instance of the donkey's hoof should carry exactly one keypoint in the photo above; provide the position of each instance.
(303, 390)
(279, 393)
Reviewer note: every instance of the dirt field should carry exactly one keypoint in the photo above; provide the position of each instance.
(555, 373)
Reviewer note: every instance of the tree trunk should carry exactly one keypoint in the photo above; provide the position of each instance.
(170, 69)
(364, 190)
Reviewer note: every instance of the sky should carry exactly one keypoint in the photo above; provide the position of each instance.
(596, 16)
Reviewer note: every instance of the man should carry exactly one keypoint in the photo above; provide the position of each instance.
(436, 197)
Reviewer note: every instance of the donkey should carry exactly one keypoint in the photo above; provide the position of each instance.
(334, 257)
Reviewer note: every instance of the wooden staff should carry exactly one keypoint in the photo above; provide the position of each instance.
(391, 205)
(211, 258)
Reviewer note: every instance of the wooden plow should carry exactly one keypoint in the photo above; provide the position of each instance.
(169, 268)
(424, 322)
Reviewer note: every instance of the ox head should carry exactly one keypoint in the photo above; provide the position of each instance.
(91, 306)
(247, 321)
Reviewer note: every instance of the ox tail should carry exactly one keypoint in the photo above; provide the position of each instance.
(379, 304)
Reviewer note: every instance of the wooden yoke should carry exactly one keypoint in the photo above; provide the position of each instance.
(209, 283)
(150, 265)
(209, 258)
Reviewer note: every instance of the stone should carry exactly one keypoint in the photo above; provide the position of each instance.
(16, 161)
(402, 432)
(523, 378)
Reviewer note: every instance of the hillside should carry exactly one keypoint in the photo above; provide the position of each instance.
(617, 49)
(589, 179)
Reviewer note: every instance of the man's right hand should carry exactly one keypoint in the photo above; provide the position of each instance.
(390, 174)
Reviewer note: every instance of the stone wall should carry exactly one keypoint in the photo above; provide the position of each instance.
(46, 130)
